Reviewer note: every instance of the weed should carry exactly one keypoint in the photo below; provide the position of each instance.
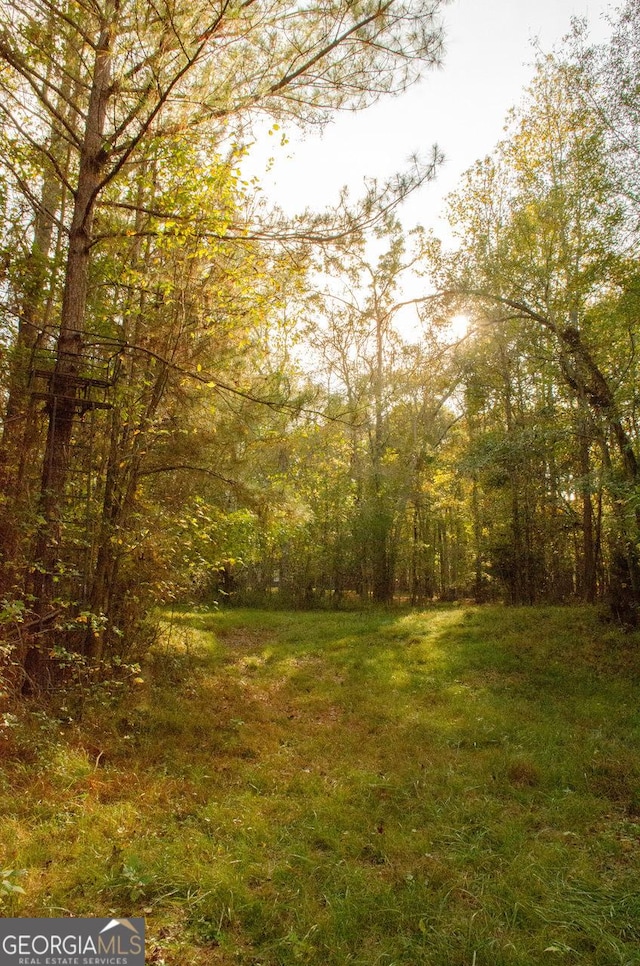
(9, 887)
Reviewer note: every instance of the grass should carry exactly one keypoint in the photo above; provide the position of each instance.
(455, 787)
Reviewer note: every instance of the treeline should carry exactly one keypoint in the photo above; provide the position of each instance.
(142, 280)
(502, 463)
(201, 399)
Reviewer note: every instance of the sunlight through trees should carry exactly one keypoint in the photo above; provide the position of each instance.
(202, 399)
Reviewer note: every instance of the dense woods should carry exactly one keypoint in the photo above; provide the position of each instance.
(204, 400)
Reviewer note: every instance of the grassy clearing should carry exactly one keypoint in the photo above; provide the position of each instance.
(458, 787)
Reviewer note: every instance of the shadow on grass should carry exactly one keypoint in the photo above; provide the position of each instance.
(547, 685)
(443, 787)
(473, 773)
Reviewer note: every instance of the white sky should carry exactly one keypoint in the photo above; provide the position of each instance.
(461, 107)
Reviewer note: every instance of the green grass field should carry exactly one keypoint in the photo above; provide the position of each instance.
(455, 787)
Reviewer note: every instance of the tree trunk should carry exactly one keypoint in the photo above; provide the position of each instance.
(66, 379)
(589, 574)
(21, 423)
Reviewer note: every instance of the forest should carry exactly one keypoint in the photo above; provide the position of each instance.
(319, 534)
(204, 400)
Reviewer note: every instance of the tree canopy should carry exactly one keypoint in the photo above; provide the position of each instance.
(203, 398)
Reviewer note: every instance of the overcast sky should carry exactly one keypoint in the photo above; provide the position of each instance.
(461, 107)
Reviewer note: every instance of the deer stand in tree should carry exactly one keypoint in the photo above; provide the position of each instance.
(76, 385)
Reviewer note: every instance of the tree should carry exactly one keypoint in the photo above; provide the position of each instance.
(606, 84)
(90, 92)
(396, 410)
(541, 224)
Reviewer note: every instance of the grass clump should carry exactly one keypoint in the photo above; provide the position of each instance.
(445, 788)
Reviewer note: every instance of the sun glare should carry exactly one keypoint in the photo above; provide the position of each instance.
(458, 326)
